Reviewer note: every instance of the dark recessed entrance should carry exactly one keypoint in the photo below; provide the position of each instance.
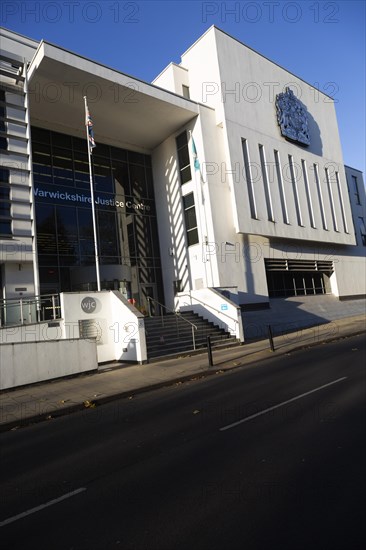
(298, 277)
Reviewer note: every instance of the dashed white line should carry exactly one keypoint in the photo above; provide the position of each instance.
(234, 424)
(41, 507)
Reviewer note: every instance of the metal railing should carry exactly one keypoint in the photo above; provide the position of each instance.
(209, 306)
(31, 309)
(177, 316)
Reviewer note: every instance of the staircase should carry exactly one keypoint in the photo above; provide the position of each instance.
(171, 334)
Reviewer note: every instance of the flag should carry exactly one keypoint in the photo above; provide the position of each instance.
(196, 162)
(89, 125)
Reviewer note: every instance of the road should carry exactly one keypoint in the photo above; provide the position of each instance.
(267, 456)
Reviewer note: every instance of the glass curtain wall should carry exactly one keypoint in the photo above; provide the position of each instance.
(125, 210)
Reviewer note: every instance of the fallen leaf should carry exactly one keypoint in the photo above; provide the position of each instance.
(196, 411)
(89, 404)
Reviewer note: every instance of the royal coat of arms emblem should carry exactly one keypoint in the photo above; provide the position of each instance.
(292, 117)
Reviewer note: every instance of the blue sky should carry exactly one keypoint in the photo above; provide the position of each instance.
(322, 42)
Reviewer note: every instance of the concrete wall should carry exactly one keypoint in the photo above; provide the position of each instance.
(242, 86)
(171, 227)
(31, 362)
(117, 326)
(172, 78)
(39, 332)
(213, 306)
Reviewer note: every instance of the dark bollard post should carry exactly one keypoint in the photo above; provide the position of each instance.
(209, 351)
(270, 336)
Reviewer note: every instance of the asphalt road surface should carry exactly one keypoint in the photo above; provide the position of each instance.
(267, 456)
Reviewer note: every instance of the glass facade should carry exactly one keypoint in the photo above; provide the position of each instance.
(5, 204)
(5, 210)
(128, 242)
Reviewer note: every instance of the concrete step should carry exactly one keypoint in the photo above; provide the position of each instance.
(158, 355)
(173, 335)
(186, 350)
(183, 342)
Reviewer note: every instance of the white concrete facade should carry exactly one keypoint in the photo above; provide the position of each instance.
(300, 207)
(259, 199)
(18, 263)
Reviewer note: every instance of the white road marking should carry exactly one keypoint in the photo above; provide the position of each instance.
(41, 506)
(234, 424)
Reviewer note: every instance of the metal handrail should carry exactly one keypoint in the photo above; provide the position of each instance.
(211, 307)
(177, 314)
(7, 304)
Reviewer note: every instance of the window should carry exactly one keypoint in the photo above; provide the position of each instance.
(361, 225)
(127, 234)
(185, 90)
(190, 219)
(355, 190)
(4, 174)
(4, 203)
(5, 227)
(183, 158)
(2, 113)
(5, 210)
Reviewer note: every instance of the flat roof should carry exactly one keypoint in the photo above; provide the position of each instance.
(127, 112)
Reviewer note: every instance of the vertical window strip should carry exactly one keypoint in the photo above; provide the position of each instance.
(5, 203)
(361, 225)
(340, 194)
(320, 196)
(184, 161)
(190, 219)
(331, 199)
(267, 189)
(308, 194)
(249, 178)
(295, 190)
(281, 187)
(355, 190)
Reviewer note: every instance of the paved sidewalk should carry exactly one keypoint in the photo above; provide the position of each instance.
(48, 400)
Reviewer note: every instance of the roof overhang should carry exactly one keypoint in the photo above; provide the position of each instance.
(126, 112)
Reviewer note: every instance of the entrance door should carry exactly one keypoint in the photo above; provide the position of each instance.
(151, 307)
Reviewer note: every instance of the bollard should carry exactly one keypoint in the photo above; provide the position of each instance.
(209, 351)
(270, 336)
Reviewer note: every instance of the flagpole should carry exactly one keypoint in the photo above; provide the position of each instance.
(92, 197)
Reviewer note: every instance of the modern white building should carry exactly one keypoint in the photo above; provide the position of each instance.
(225, 173)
